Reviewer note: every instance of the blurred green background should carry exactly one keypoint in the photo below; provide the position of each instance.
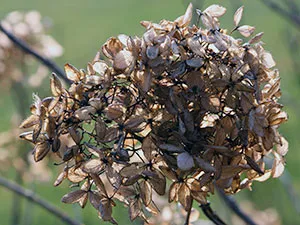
(81, 27)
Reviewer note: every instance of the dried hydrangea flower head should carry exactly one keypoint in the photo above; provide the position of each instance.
(191, 105)
(27, 26)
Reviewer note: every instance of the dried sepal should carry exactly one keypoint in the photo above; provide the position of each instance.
(74, 196)
(215, 10)
(55, 85)
(246, 30)
(41, 150)
(238, 16)
(72, 73)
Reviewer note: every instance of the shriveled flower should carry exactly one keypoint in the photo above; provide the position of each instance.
(192, 105)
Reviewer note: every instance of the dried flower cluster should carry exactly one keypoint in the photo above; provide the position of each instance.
(27, 26)
(191, 105)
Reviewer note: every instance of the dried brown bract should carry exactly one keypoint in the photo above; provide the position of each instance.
(192, 105)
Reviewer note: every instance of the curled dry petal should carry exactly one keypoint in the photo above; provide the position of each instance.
(72, 73)
(41, 150)
(100, 67)
(55, 85)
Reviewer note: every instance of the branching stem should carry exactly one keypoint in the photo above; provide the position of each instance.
(31, 196)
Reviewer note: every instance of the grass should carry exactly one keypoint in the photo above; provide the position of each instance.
(83, 26)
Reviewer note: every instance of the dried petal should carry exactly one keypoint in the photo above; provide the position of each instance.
(72, 73)
(215, 10)
(238, 16)
(74, 196)
(246, 30)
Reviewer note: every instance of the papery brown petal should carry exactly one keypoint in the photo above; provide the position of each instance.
(238, 16)
(114, 111)
(99, 184)
(27, 136)
(60, 178)
(152, 208)
(278, 166)
(36, 131)
(105, 210)
(158, 182)
(135, 207)
(30, 121)
(278, 118)
(55, 85)
(283, 147)
(146, 81)
(215, 10)
(256, 38)
(112, 47)
(185, 19)
(132, 180)
(94, 150)
(84, 113)
(220, 136)
(95, 199)
(264, 177)
(199, 196)
(131, 169)
(83, 200)
(268, 60)
(168, 172)
(76, 175)
(246, 30)
(50, 127)
(40, 151)
(230, 171)
(70, 152)
(92, 80)
(100, 128)
(123, 59)
(100, 67)
(184, 197)
(145, 192)
(93, 166)
(173, 191)
(74, 196)
(113, 177)
(148, 147)
(205, 179)
(111, 134)
(72, 73)
(135, 123)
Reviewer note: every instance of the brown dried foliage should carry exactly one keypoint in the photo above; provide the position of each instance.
(192, 105)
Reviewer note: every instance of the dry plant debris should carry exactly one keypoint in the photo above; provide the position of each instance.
(190, 105)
